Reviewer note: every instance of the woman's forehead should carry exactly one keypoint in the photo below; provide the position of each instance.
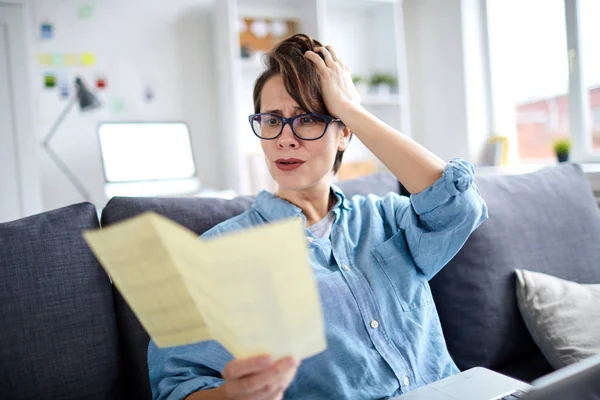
(274, 94)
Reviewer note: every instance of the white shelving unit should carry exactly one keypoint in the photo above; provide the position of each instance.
(367, 34)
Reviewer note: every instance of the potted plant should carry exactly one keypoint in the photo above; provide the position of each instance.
(383, 83)
(562, 148)
(361, 84)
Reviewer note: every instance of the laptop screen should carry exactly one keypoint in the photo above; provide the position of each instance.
(146, 151)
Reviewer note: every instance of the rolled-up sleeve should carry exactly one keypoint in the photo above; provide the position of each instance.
(438, 221)
(177, 372)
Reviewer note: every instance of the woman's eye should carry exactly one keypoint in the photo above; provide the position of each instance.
(272, 121)
(307, 120)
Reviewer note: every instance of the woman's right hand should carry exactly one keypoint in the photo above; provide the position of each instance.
(258, 378)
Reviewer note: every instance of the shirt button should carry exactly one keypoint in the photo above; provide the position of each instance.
(406, 381)
(310, 240)
(347, 268)
(374, 324)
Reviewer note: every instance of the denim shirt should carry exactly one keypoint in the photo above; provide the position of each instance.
(383, 332)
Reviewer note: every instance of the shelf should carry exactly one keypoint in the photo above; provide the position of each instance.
(251, 63)
(380, 100)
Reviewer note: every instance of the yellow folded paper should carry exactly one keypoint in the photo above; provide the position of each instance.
(252, 291)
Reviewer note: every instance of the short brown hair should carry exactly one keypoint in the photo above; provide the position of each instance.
(299, 76)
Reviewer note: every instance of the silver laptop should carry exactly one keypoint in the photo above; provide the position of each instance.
(579, 381)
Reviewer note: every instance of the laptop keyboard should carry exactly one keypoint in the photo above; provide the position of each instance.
(513, 396)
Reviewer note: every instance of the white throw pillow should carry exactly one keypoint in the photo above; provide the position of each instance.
(563, 317)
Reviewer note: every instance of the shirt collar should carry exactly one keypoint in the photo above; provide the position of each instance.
(342, 201)
(273, 208)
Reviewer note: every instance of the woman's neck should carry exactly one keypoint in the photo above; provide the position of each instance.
(315, 201)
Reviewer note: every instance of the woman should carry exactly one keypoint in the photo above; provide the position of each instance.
(372, 257)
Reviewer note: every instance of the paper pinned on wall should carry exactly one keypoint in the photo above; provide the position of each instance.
(44, 59)
(260, 298)
(49, 80)
(149, 94)
(88, 59)
(86, 11)
(70, 60)
(58, 60)
(46, 31)
(118, 106)
(100, 83)
(64, 86)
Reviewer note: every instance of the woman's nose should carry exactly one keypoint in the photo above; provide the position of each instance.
(287, 138)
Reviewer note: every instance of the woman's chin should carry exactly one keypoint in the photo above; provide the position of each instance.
(290, 182)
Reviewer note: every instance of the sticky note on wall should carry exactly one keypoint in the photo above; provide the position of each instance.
(57, 59)
(86, 11)
(44, 59)
(70, 60)
(49, 80)
(88, 59)
(64, 86)
(46, 31)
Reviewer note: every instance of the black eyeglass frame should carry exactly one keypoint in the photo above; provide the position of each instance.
(328, 119)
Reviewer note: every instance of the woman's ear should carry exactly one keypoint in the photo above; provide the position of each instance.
(344, 139)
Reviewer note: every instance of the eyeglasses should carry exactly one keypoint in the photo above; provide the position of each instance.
(304, 126)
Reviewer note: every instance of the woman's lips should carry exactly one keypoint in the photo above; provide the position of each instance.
(289, 164)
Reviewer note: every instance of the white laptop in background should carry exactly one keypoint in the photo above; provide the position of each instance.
(147, 159)
(579, 381)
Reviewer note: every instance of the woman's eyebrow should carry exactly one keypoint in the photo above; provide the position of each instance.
(296, 108)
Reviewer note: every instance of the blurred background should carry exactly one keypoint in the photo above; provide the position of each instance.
(102, 98)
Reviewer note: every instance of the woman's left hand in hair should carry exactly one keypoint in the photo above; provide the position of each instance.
(339, 92)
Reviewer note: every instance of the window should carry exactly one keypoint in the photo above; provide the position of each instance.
(548, 78)
(595, 116)
(529, 40)
(590, 32)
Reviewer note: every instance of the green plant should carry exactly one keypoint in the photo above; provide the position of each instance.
(562, 146)
(383, 78)
(357, 79)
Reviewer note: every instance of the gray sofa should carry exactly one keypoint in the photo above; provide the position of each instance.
(66, 333)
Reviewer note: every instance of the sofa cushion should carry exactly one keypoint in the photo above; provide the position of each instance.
(563, 317)
(546, 221)
(58, 335)
(378, 184)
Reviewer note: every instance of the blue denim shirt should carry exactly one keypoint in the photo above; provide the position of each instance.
(383, 332)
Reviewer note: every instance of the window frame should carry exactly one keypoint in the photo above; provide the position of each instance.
(580, 124)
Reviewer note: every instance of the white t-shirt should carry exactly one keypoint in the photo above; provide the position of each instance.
(322, 229)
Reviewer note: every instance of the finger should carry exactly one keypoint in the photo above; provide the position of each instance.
(334, 55)
(289, 376)
(316, 60)
(269, 392)
(278, 395)
(273, 376)
(328, 59)
(238, 368)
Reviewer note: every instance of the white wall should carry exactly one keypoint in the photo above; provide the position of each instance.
(477, 77)
(448, 90)
(164, 44)
(20, 188)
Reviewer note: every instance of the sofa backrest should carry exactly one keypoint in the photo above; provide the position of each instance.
(547, 221)
(58, 334)
(199, 215)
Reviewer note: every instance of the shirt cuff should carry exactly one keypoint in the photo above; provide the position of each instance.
(457, 177)
(191, 386)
